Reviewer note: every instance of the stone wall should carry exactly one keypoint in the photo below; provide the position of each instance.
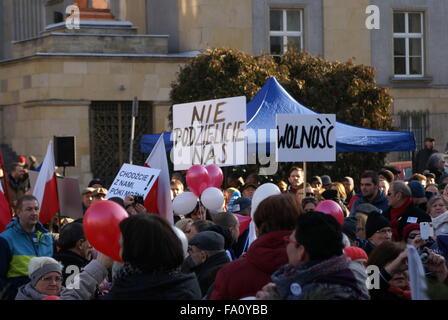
(215, 23)
(42, 97)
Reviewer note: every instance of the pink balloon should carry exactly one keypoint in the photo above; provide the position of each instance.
(333, 209)
(215, 174)
(197, 179)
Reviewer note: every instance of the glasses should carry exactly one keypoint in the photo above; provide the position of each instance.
(51, 279)
(289, 240)
(309, 194)
(384, 231)
(413, 235)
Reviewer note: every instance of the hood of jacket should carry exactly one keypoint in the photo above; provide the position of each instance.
(335, 278)
(27, 292)
(15, 225)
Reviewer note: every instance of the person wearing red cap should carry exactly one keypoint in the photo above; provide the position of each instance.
(411, 235)
(357, 255)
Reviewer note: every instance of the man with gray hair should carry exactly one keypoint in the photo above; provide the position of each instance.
(402, 210)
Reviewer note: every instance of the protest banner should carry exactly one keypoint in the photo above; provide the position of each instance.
(306, 137)
(209, 132)
(133, 180)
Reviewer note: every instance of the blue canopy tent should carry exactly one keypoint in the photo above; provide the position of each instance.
(273, 99)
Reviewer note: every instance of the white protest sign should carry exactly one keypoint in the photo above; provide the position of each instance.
(306, 137)
(209, 132)
(133, 180)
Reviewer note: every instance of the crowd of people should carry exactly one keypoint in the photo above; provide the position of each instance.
(298, 253)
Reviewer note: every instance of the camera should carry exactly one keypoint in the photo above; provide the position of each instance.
(424, 256)
(138, 199)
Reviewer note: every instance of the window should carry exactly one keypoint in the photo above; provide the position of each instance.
(286, 30)
(408, 44)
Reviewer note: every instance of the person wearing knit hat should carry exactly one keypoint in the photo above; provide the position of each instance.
(357, 255)
(378, 229)
(46, 279)
(411, 235)
(362, 212)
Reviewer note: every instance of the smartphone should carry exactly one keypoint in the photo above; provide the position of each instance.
(138, 199)
(426, 230)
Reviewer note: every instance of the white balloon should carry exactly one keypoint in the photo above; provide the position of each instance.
(183, 238)
(212, 198)
(185, 203)
(264, 191)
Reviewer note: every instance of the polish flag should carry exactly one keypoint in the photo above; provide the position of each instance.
(46, 190)
(5, 210)
(158, 199)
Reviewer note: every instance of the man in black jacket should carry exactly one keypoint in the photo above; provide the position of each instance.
(75, 251)
(421, 158)
(208, 255)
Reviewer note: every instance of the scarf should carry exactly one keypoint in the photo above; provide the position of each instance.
(396, 213)
(401, 293)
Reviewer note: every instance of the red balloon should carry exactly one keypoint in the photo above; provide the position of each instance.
(197, 179)
(244, 222)
(215, 174)
(51, 298)
(101, 227)
(333, 209)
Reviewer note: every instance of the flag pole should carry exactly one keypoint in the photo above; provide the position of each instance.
(134, 115)
(5, 179)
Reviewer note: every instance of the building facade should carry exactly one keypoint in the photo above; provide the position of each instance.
(60, 82)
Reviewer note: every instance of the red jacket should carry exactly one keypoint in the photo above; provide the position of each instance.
(248, 274)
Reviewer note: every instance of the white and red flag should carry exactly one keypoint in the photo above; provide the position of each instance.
(46, 189)
(5, 210)
(158, 199)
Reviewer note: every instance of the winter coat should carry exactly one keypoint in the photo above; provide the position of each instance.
(249, 273)
(92, 275)
(17, 247)
(412, 214)
(132, 284)
(440, 224)
(68, 258)
(206, 272)
(380, 202)
(337, 278)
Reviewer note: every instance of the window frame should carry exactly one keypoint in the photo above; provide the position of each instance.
(284, 34)
(406, 35)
